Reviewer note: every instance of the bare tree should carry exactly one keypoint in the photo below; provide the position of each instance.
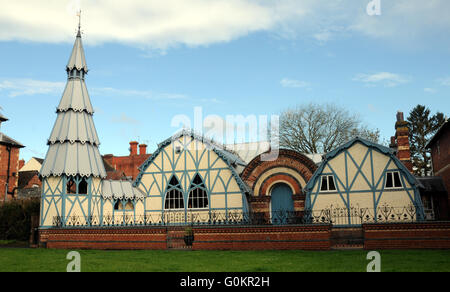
(315, 128)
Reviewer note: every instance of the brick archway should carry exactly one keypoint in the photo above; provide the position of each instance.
(291, 168)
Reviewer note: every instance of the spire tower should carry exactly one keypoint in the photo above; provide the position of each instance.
(73, 143)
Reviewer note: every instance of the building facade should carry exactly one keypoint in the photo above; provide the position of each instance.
(191, 179)
(440, 157)
(9, 165)
(363, 182)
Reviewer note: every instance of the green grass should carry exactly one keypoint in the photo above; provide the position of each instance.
(43, 260)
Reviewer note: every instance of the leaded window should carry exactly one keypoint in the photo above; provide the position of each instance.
(198, 197)
(174, 195)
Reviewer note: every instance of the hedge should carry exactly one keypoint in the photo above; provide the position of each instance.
(15, 219)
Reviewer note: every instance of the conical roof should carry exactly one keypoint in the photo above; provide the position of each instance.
(77, 59)
(73, 142)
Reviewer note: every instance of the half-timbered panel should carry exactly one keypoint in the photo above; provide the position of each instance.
(188, 177)
(365, 182)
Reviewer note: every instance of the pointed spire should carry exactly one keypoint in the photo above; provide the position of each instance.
(77, 59)
(73, 143)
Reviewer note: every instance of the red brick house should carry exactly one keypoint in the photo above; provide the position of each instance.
(9, 164)
(127, 166)
(440, 156)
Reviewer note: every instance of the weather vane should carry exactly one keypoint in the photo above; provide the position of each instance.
(79, 21)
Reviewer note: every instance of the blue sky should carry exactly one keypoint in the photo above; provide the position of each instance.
(152, 60)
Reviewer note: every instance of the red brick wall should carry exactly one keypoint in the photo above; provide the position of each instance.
(430, 235)
(206, 238)
(298, 162)
(104, 239)
(34, 181)
(14, 168)
(129, 164)
(440, 153)
(262, 238)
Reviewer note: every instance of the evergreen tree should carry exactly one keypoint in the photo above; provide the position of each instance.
(422, 127)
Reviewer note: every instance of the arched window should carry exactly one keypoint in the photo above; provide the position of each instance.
(129, 206)
(83, 187)
(198, 197)
(71, 186)
(121, 205)
(118, 205)
(174, 195)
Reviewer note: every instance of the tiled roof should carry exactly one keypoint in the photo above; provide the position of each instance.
(5, 140)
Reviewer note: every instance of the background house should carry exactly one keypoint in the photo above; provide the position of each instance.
(440, 156)
(9, 164)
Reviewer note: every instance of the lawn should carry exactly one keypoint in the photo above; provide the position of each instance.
(42, 260)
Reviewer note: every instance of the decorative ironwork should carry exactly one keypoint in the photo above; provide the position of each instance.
(332, 215)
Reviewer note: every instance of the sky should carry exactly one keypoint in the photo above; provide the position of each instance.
(153, 63)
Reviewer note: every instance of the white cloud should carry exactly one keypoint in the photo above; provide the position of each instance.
(429, 90)
(124, 119)
(146, 94)
(165, 24)
(19, 87)
(386, 79)
(292, 83)
(444, 81)
(25, 87)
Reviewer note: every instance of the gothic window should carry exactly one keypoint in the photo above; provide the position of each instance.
(393, 180)
(174, 195)
(328, 184)
(83, 187)
(118, 205)
(122, 205)
(198, 197)
(71, 186)
(77, 186)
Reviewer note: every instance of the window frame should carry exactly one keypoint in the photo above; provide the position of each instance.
(178, 196)
(201, 195)
(327, 190)
(393, 179)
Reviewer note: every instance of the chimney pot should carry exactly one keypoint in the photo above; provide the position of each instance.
(133, 148)
(400, 117)
(142, 149)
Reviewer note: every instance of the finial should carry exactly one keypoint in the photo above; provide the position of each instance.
(79, 22)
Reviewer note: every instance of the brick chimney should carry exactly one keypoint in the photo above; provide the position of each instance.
(21, 163)
(402, 141)
(142, 149)
(133, 148)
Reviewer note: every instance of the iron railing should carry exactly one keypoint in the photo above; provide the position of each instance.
(334, 216)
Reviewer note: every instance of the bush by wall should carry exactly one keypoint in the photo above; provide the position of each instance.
(15, 219)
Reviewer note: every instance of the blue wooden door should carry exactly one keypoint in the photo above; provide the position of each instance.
(282, 203)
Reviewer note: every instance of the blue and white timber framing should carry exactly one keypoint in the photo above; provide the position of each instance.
(183, 157)
(75, 191)
(361, 175)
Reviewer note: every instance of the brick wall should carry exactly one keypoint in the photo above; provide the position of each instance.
(440, 153)
(129, 164)
(14, 169)
(206, 238)
(429, 235)
(310, 237)
(104, 239)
